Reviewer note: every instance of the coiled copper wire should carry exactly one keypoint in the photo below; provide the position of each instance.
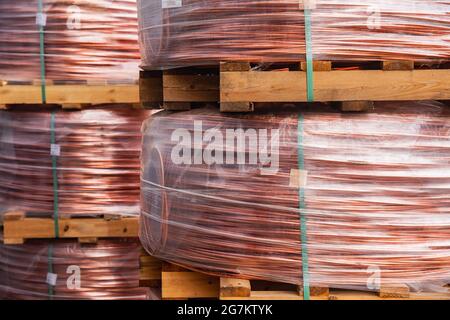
(97, 168)
(376, 197)
(108, 270)
(83, 40)
(207, 32)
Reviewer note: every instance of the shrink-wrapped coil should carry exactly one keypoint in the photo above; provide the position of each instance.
(71, 163)
(204, 32)
(69, 40)
(230, 195)
(65, 269)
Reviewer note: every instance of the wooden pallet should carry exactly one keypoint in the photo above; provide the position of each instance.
(69, 95)
(149, 271)
(237, 86)
(17, 228)
(179, 283)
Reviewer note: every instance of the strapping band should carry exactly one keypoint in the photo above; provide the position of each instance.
(50, 269)
(309, 57)
(55, 177)
(42, 51)
(302, 207)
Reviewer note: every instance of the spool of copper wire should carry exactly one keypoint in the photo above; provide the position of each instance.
(372, 188)
(82, 40)
(206, 32)
(83, 162)
(62, 269)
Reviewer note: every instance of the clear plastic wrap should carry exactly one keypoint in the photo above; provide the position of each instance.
(84, 162)
(82, 40)
(61, 269)
(195, 32)
(372, 189)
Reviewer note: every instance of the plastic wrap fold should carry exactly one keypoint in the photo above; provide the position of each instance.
(224, 194)
(81, 40)
(61, 269)
(195, 32)
(75, 163)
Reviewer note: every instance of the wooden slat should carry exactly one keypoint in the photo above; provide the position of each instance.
(187, 284)
(317, 66)
(70, 94)
(355, 85)
(361, 295)
(150, 270)
(397, 65)
(151, 89)
(191, 88)
(85, 229)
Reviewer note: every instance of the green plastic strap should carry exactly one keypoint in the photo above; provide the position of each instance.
(309, 57)
(50, 268)
(302, 207)
(42, 53)
(55, 177)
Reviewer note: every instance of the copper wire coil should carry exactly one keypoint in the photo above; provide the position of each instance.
(83, 40)
(97, 170)
(207, 32)
(108, 270)
(376, 197)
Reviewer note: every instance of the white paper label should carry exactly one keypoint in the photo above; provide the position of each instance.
(55, 150)
(298, 178)
(307, 4)
(41, 19)
(167, 4)
(51, 278)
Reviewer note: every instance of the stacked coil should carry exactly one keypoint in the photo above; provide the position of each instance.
(372, 188)
(108, 270)
(82, 40)
(209, 31)
(79, 163)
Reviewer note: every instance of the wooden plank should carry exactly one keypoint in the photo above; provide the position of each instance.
(234, 288)
(151, 89)
(177, 106)
(318, 66)
(394, 291)
(70, 94)
(82, 228)
(61, 94)
(315, 291)
(355, 85)
(150, 270)
(228, 66)
(237, 106)
(191, 88)
(361, 295)
(349, 106)
(397, 65)
(187, 284)
(20, 94)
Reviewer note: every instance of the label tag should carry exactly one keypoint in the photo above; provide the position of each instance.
(41, 19)
(55, 150)
(307, 4)
(51, 278)
(167, 4)
(298, 178)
